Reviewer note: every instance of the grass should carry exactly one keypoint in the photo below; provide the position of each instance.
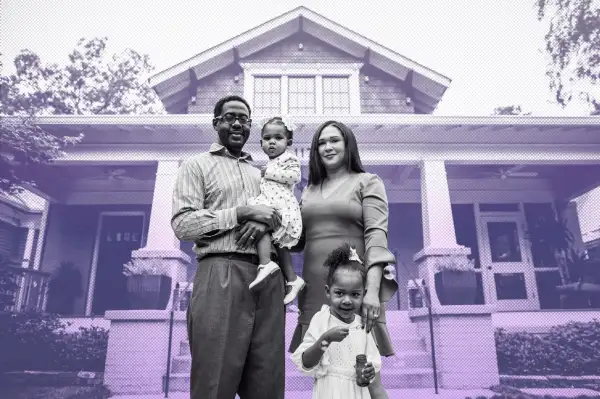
(67, 392)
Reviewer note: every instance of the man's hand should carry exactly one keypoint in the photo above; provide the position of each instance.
(261, 214)
(249, 234)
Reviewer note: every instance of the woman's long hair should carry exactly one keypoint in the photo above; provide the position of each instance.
(316, 170)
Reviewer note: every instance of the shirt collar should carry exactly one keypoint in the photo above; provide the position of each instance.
(220, 149)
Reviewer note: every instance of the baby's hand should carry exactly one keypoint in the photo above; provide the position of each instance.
(369, 371)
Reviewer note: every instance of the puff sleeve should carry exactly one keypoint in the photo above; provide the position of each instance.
(375, 220)
(316, 328)
(285, 170)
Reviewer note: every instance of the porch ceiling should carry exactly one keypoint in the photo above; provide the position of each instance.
(178, 130)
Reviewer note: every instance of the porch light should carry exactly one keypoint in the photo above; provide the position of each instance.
(408, 101)
(193, 100)
(300, 46)
(366, 79)
(236, 78)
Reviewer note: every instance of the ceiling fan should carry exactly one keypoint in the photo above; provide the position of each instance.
(113, 174)
(503, 173)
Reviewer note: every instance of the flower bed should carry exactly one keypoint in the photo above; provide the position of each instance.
(572, 349)
(40, 342)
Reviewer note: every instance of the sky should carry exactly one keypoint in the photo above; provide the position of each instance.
(492, 50)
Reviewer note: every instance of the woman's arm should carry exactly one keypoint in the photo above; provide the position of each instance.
(377, 255)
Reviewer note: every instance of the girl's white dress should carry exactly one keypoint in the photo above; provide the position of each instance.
(277, 190)
(335, 375)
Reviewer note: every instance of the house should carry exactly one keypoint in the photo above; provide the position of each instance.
(457, 187)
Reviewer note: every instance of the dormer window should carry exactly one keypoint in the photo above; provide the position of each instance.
(302, 89)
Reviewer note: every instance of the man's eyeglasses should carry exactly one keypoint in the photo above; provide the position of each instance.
(231, 118)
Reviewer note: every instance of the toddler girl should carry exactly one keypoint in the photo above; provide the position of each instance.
(336, 335)
(279, 176)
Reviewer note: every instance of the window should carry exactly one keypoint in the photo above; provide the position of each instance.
(302, 89)
(301, 95)
(336, 95)
(267, 95)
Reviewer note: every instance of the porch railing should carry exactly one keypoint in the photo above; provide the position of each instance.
(31, 293)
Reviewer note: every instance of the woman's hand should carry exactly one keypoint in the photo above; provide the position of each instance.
(370, 310)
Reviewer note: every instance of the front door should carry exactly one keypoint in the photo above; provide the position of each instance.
(119, 236)
(507, 270)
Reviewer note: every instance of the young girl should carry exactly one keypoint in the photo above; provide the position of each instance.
(336, 335)
(279, 176)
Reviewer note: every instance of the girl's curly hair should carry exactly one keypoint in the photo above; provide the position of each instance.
(277, 120)
(339, 259)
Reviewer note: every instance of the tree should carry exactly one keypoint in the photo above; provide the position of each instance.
(91, 83)
(573, 46)
(24, 145)
(510, 110)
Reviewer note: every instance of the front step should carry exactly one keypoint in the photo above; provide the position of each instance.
(403, 360)
(411, 367)
(294, 381)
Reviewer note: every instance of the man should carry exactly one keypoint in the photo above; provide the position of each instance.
(236, 337)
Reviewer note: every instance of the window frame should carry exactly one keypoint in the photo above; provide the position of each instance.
(284, 71)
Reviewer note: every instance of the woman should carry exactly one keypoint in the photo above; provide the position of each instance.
(344, 204)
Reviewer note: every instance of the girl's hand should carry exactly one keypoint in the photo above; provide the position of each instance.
(369, 371)
(370, 310)
(336, 334)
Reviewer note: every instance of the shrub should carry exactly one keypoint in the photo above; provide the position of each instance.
(34, 341)
(570, 349)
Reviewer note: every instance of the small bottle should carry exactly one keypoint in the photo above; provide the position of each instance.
(361, 361)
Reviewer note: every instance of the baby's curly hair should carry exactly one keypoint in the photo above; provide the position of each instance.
(277, 120)
(339, 259)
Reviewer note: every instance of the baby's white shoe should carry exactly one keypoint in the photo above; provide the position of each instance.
(297, 285)
(264, 271)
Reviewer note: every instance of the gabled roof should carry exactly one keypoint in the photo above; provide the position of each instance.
(173, 84)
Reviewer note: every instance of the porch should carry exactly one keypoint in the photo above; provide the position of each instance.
(456, 187)
(106, 217)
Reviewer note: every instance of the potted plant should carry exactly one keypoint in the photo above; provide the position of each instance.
(148, 285)
(455, 281)
(64, 288)
(579, 275)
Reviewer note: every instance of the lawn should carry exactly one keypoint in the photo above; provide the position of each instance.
(68, 392)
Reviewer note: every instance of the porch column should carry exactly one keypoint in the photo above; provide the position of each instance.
(439, 237)
(26, 263)
(464, 334)
(161, 244)
(29, 247)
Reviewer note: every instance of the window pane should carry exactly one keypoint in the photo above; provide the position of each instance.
(267, 95)
(301, 95)
(504, 242)
(336, 95)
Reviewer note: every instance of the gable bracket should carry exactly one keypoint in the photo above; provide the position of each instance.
(193, 86)
(236, 56)
(367, 56)
(300, 23)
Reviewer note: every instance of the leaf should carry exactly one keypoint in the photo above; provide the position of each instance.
(573, 49)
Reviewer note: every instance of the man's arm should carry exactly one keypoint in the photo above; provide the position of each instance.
(190, 220)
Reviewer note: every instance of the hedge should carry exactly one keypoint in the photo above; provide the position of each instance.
(34, 341)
